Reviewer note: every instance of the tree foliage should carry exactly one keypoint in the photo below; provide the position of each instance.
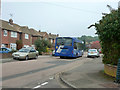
(89, 38)
(19, 44)
(42, 45)
(108, 30)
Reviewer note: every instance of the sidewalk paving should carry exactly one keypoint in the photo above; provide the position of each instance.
(88, 75)
(4, 60)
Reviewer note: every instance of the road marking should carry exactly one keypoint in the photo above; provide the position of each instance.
(37, 86)
(44, 83)
(40, 85)
(51, 78)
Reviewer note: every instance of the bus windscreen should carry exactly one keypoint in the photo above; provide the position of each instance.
(64, 41)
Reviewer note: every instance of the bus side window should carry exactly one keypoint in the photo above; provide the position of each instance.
(75, 46)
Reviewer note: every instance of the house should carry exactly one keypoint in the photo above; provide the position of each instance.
(52, 38)
(44, 35)
(35, 35)
(10, 33)
(26, 36)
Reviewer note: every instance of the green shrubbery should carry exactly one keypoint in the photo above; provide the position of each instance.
(42, 45)
(19, 44)
(108, 30)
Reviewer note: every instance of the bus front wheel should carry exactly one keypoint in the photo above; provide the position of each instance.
(62, 57)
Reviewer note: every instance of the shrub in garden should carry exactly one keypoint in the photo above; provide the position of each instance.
(42, 45)
(108, 30)
(19, 44)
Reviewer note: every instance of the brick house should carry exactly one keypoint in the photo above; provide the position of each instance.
(11, 32)
(52, 38)
(35, 35)
(44, 35)
(26, 36)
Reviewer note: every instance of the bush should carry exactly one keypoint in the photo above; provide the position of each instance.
(108, 30)
(42, 45)
(19, 44)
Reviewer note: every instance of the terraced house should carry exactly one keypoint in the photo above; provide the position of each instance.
(10, 32)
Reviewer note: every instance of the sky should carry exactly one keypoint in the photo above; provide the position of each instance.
(64, 17)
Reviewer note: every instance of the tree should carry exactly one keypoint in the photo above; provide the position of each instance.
(95, 44)
(87, 40)
(19, 44)
(42, 45)
(108, 30)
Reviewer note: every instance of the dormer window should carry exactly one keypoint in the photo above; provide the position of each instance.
(5, 33)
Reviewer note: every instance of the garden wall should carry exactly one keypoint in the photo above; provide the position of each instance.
(110, 70)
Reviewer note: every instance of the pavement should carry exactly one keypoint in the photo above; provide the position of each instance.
(89, 75)
(5, 60)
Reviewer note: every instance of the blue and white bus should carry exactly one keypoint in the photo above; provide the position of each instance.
(68, 47)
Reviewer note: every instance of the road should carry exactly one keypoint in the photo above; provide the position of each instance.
(40, 73)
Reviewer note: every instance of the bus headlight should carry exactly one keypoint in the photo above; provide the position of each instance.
(56, 47)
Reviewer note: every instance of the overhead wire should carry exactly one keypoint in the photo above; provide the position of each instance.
(78, 9)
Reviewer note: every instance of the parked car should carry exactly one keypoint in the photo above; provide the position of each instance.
(5, 50)
(100, 51)
(26, 53)
(93, 53)
(82, 52)
(53, 53)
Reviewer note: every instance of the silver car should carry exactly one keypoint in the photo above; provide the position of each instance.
(25, 53)
(93, 53)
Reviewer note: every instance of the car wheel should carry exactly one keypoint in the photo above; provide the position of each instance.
(36, 56)
(26, 58)
(14, 58)
(97, 56)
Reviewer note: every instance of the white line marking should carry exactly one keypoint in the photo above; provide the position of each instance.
(51, 78)
(37, 86)
(44, 83)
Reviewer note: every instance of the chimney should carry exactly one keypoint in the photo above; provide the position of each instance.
(11, 21)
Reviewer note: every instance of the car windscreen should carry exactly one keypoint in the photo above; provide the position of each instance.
(9, 49)
(64, 41)
(24, 50)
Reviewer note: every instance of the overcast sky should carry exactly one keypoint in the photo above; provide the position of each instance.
(66, 18)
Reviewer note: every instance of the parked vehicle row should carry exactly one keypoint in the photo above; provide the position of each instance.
(5, 50)
(26, 53)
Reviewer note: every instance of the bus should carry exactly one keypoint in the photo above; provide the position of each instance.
(68, 47)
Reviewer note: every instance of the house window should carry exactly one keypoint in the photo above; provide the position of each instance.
(5, 32)
(26, 46)
(14, 34)
(3, 45)
(45, 38)
(13, 46)
(51, 41)
(26, 36)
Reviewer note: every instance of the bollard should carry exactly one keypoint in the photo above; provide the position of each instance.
(118, 73)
